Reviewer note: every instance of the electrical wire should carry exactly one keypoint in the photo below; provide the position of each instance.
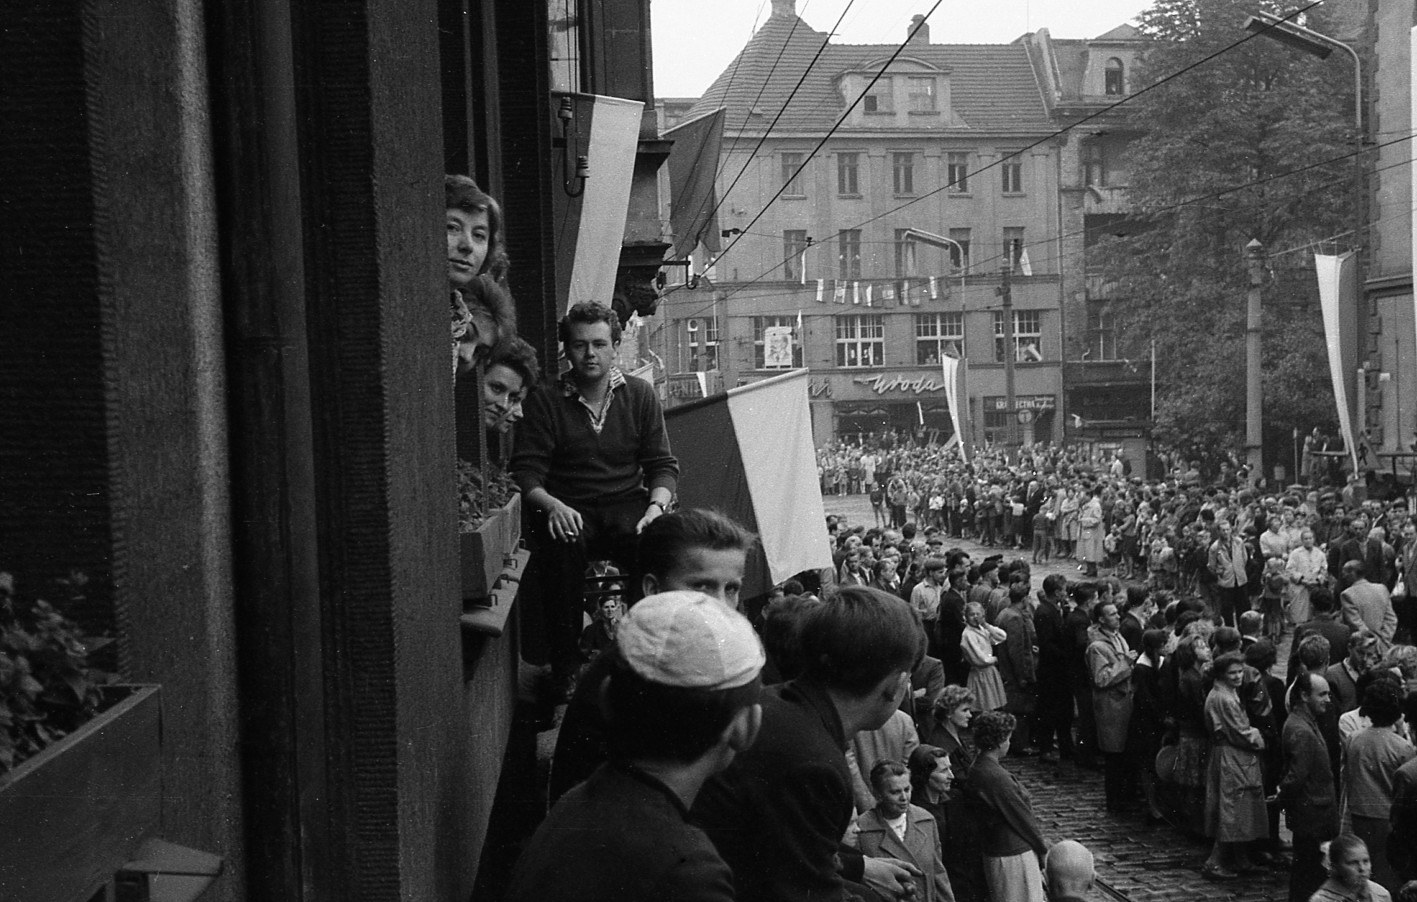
(718, 204)
(979, 265)
(1003, 158)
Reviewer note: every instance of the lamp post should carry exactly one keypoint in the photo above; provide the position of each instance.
(1254, 398)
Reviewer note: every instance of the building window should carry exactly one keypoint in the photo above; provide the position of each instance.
(698, 344)
(904, 255)
(903, 171)
(920, 93)
(1013, 247)
(959, 256)
(849, 254)
(791, 162)
(957, 173)
(879, 98)
(794, 245)
(1028, 336)
(1094, 164)
(847, 171)
(1013, 176)
(1114, 78)
(1101, 335)
(938, 335)
(860, 341)
(760, 325)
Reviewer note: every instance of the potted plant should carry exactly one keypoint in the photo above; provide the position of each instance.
(80, 766)
(489, 524)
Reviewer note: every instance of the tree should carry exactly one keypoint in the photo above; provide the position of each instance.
(1254, 143)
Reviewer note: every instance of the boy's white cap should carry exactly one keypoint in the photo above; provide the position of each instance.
(689, 640)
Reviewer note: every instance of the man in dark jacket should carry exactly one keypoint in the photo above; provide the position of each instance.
(1018, 663)
(778, 813)
(1306, 790)
(1053, 723)
(1075, 627)
(949, 629)
(681, 702)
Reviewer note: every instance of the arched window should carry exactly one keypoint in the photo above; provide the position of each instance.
(1115, 79)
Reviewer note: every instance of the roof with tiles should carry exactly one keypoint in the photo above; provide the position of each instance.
(993, 85)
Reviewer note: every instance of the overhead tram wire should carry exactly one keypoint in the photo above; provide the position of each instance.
(761, 88)
(979, 264)
(822, 143)
(781, 110)
(1002, 159)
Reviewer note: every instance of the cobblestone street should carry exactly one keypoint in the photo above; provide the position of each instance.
(1135, 861)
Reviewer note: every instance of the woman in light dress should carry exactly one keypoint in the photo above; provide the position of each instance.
(978, 643)
(1307, 567)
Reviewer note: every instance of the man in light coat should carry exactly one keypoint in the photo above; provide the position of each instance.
(1367, 605)
(1226, 560)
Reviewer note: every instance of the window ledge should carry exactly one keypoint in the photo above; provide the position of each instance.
(793, 197)
(924, 112)
(878, 112)
(1014, 193)
(911, 194)
(854, 196)
(491, 619)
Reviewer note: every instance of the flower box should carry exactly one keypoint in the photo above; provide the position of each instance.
(74, 814)
(485, 551)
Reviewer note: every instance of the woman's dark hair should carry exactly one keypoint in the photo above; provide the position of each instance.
(858, 637)
(924, 761)
(991, 728)
(586, 313)
(782, 622)
(1153, 641)
(667, 539)
(1223, 663)
(519, 357)
(462, 193)
(1225, 638)
(1382, 701)
(1261, 655)
(1185, 653)
(886, 767)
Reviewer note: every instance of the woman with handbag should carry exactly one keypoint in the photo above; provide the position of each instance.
(1235, 808)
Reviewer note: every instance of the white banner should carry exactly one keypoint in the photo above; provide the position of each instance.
(954, 377)
(1338, 298)
(610, 148)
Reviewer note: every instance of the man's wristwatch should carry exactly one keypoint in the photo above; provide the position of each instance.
(659, 504)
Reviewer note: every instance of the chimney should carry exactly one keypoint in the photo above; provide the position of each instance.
(784, 9)
(920, 37)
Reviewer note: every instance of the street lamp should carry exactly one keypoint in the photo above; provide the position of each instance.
(1291, 34)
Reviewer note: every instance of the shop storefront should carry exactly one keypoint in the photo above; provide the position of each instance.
(862, 405)
(1032, 418)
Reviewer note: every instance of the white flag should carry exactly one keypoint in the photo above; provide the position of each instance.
(1023, 265)
(821, 289)
(934, 288)
(869, 302)
(856, 292)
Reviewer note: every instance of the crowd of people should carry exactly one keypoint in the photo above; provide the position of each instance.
(1162, 674)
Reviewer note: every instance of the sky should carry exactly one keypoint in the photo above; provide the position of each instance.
(695, 40)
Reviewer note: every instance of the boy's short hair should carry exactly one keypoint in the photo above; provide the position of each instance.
(1250, 622)
(665, 540)
(462, 193)
(585, 313)
(858, 637)
(1314, 652)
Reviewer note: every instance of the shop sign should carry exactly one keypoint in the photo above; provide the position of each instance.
(1021, 402)
(882, 384)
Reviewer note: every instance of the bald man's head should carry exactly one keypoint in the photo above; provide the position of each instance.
(1069, 870)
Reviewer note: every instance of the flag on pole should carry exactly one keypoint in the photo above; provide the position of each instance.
(839, 293)
(920, 409)
(750, 454)
(869, 302)
(1023, 264)
(801, 335)
(609, 128)
(821, 291)
(856, 293)
(934, 288)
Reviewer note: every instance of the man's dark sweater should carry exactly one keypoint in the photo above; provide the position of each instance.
(777, 814)
(556, 448)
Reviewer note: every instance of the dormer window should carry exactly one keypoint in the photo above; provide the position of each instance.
(920, 93)
(879, 97)
(1114, 78)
